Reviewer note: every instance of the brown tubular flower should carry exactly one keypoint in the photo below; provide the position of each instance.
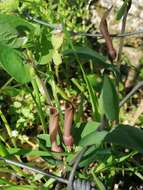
(53, 129)
(69, 114)
(104, 31)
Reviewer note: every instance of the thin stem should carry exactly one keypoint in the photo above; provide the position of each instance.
(43, 90)
(6, 84)
(80, 87)
(57, 72)
(39, 105)
(34, 99)
(123, 30)
(54, 89)
(3, 140)
(8, 128)
(139, 85)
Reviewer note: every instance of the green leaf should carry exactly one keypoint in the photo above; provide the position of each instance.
(46, 58)
(30, 152)
(7, 33)
(90, 127)
(93, 154)
(38, 153)
(94, 138)
(92, 96)
(15, 22)
(3, 150)
(4, 182)
(109, 103)
(12, 30)
(61, 92)
(43, 47)
(12, 63)
(81, 130)
(92, 80)
(126, 136)
(57, 40)
(98, 183)
(57, 59)
(20, 187)
(46, 138)
(10, 91)
(87, 53)
(121, 11)
(18, 151)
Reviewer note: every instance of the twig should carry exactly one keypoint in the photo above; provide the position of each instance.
(137, 114)
(139, 85)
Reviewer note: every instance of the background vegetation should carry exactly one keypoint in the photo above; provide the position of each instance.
(50, 69)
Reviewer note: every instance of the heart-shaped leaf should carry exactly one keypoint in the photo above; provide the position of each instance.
(12, 62)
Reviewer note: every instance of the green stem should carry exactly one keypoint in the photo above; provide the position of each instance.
(80, 87)
(3, 140)
(43, 90)
(6, 84)
(38, 104)
(57, 72)
(54, 89)
(7, 126)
